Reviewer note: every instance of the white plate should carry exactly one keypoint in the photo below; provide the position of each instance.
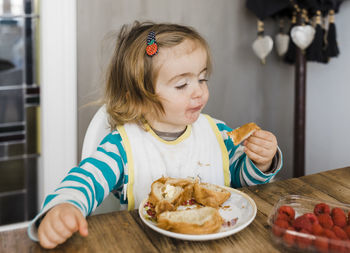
(239, 206)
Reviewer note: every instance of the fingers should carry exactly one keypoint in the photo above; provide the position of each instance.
(264, 135)
(258, 157)
(59, 224)
(83, 225)
(50, 235)
(261, 147)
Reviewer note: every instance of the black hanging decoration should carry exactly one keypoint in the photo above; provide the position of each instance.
(325, 57)
(324, 45)
(266, 8)
(332, 44)
(315, 51)
(289, 57)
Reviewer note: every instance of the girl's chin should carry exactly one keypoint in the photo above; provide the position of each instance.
(192, 117)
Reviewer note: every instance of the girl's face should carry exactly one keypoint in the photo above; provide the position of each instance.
(181, 85)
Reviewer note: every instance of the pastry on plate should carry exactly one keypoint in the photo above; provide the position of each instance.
(210, 194)
(168, 193)
(202, 220)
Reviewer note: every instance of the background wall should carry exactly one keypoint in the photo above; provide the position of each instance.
(242, 89)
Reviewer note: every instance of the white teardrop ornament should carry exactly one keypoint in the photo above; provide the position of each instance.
(262, 46)
(282, 42)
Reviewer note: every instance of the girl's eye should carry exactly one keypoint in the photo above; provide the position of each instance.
(181, 86)
(203, 80)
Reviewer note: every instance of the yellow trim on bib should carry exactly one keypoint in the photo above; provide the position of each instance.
(183, 136)
(130, 170)
(224, 153)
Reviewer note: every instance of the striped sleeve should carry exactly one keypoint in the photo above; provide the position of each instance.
(243, 171)
(87, 185)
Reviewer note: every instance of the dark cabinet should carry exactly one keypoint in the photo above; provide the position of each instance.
(19, 110)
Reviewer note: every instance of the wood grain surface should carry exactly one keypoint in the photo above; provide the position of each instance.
(125, 232)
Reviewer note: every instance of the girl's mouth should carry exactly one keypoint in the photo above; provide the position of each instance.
(195, 109)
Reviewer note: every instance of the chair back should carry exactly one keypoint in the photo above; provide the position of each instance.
(97, 130)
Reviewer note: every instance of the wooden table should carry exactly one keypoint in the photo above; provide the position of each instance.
(124, 231)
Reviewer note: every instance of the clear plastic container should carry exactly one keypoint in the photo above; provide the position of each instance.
(306, 242)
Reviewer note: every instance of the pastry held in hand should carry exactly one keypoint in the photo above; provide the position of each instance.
(203, 220)
(210, 195)
(240, 134)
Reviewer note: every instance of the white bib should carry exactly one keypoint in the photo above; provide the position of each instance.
(199, 151)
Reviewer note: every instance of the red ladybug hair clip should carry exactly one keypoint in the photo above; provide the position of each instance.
(152, 47)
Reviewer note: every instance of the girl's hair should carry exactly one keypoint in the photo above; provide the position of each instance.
(131, 76)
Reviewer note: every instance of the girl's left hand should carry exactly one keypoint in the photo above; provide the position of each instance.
(261, 147)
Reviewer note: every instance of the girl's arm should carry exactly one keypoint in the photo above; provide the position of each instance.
(87, 185)
(242, 170)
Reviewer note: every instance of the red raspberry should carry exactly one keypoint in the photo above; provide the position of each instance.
(325, 220)
(317, 229)
(321, 244)
(288, 237)
(304, 241)
(329, 234)
(302, 222)
(338, 246)
(340, 233)
(287, 210)
(349, 218)
(321, 208)
(279, 227)
(312, 218)
(339, 217)
(282, 216)
(347, 230)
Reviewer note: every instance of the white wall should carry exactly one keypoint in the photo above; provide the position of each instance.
(241, 88)
(328, 105)
(58, 84)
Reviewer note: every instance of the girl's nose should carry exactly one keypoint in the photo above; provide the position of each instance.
(198, 90)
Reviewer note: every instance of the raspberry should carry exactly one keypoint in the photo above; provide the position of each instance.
(340, 233)
(287, 210)
(279, 227)
(329, 234)
(349, 218)
(347, 230)
(302, 222)
(317, 229)
(325, 220)
(321, 244)
(321, 208)
(283, 216)
(339, 217)
(312, 218)
(304, 241)
(338, 246)
(288, 237)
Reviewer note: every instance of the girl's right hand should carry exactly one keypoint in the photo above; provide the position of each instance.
(59, 224)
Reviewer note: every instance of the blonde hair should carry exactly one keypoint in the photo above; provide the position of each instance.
(131, 76)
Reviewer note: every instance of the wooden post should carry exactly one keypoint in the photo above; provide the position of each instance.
(299, 111)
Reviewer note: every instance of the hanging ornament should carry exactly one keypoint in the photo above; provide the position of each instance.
(315, 51)
(332, 44)
(325, 57)
(289, 57)
(281, 39)
(303, 35)
(262, 46)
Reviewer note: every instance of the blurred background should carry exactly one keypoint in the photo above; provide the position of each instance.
(76, 41)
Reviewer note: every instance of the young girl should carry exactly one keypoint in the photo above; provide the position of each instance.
(156, 90)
